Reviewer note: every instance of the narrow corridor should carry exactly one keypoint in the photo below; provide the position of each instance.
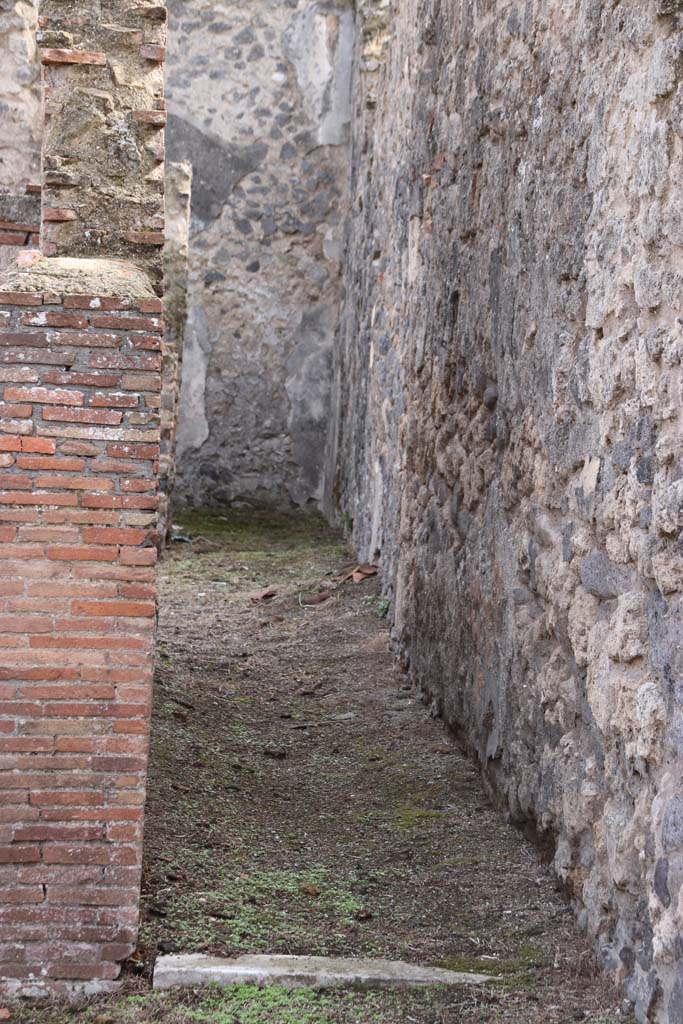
(301, 800)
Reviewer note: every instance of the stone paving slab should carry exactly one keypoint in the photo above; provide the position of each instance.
(178, 971)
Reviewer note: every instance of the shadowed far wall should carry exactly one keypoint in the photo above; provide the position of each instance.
(259, 103)
(507, 426)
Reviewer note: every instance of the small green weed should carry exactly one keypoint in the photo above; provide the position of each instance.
(379, 605)
(245, 1004)
(409, 817)
(277, 911)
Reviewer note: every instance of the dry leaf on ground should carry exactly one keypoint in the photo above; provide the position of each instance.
(363, 572)
(312, 599)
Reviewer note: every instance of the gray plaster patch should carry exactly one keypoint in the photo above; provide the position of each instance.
(193, 428)
(218, 165)
(302, 971)
(320, 45)
(309, 371)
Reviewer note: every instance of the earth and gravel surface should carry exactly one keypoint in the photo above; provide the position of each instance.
(302, 800)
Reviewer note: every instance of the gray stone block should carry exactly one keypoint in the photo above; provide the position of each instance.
(179, 971)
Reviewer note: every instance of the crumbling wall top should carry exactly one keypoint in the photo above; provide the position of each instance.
(69, 276)
(103, 146)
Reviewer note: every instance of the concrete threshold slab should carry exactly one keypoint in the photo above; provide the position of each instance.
(188, 971)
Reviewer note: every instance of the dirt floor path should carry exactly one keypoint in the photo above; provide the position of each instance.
(302, 800)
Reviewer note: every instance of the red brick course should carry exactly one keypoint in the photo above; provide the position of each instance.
(72, 57)
(77, 616)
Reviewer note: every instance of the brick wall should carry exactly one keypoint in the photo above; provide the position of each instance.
(79, 396)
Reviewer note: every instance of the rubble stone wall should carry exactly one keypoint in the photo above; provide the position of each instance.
(507, 424)
(259, 103)
(19, 226)
(20, 103)
(104, 118)
(21, 120)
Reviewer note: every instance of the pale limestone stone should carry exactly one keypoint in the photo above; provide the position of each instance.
(180, 971)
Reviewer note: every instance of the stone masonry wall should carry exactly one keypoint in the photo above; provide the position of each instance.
(79, 377)
(508, 422)
(19, 226)
(21, 120)
(103, 141)
(259, 104)
(20, 110)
